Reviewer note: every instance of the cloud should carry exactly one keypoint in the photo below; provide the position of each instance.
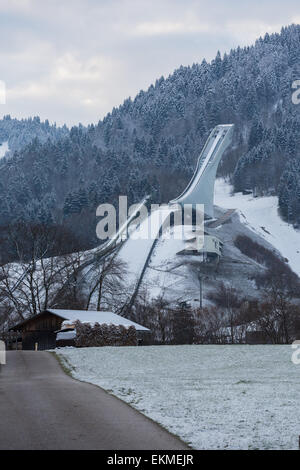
(73, 60)
(163, 28)
(15, 5)
(246, 31)
(64, 84)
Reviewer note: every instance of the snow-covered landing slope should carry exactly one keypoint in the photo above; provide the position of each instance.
(167, 274)
(135, 251)
(261, 216)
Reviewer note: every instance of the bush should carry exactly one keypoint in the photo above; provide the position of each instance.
(269, 259)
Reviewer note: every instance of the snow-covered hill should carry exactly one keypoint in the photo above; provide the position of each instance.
(161, 268)
(166, 273)
(261, 216)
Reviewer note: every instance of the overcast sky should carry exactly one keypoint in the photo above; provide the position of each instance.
(73, 60)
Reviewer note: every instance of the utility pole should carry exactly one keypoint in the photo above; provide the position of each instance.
(200, 290)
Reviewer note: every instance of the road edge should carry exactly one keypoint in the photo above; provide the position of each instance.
(67, 369)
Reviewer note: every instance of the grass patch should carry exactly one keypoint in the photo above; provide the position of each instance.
(64, 364)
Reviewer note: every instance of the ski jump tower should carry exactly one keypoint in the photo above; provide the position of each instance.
(200, 190)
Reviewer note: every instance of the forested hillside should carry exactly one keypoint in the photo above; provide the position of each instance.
(151, 144)
(20, 133)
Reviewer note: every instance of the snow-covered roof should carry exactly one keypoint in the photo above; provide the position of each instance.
(90, 316)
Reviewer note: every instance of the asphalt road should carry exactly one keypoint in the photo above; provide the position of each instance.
(42, 408)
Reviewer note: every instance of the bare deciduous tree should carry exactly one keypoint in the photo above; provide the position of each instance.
(278, 314)
(105, 284)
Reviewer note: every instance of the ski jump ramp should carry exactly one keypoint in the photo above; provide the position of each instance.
(137, 253)
(200, 190)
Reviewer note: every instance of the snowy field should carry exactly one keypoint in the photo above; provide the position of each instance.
(261, 215)
(213, 397)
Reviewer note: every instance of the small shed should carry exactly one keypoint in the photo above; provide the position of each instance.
(41, 329)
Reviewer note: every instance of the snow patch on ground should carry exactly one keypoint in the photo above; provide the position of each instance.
(213, 397)
(3, 149)
(261, 216)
